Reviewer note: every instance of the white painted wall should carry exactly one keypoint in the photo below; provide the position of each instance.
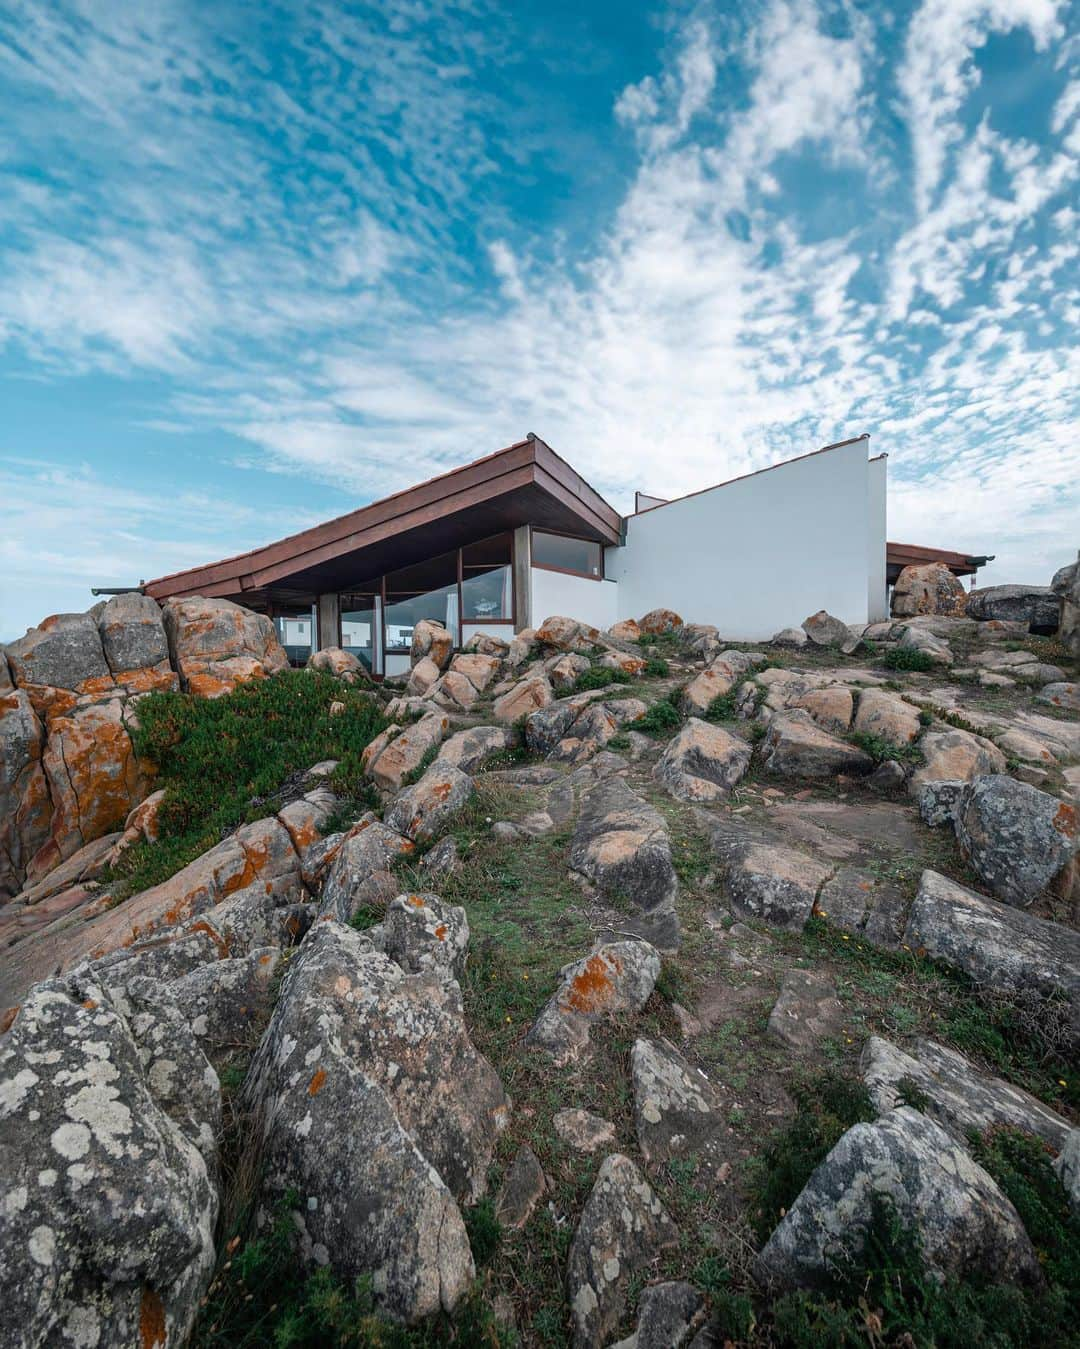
(398, 662)
(877, 600)
(553, 592)
(758, 554)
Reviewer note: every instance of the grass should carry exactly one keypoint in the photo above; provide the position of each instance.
(881, 749)
(662, 718)
(1025, 1040)
(227, 760)
(597, 677)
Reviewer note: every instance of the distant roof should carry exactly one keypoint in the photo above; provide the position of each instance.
(525, 483)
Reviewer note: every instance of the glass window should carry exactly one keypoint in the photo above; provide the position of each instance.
(487, 584)
(580, 556)
(295, 632)
(359, 626)
(426, 590)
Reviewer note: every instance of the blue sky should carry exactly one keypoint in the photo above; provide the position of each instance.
(261, 263)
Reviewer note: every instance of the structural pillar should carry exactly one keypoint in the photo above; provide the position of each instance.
(329, 628)
(522, 578)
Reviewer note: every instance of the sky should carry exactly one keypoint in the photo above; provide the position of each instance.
(262, 263)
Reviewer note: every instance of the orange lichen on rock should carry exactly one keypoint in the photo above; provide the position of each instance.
(316, 1083)
(152, 1329)
(417, 901)
(591, 990)
(440, 932)
(1065, 820)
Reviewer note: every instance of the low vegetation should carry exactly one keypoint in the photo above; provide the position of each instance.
(906, 658)
(239, 757)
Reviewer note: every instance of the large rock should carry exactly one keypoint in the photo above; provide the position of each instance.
(614, 978)
(928, 589)
(1066, 587)
(958, 1095)
(60, 661)
(369, 847)
(422, 811)
(831, 707)
(134, 642)
(479, 669)
(1064, 695)
(524, 698)
(431, 641)
(94, 779)
(395, 759)
(795, 746)
(214, 645)
(886, 716)
(621, 845)
(423, 935)
(568, 634)
(108, 1111)
(772, 882)
(824, 629)
(1019, 841)
(372, 1202)
(926, 642)
(25, 804)
(807, 1011)
(1000, 947)
(963, 1223)
(716, 679)
(227, 1002)
(468, 749)
(676, 1107)
(668, 1314)
(623, 1228)
(659, 621)
(1037, 606)
(702, 763)
(955, 756)
(336, 661)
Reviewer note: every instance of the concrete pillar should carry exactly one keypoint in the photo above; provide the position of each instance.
(522, 578)
(329, 635)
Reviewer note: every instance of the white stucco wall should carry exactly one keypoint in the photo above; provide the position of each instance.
(578, 597)
(504, 631)
(761, 553)
(877, 600)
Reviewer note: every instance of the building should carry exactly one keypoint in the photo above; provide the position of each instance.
(504, 542)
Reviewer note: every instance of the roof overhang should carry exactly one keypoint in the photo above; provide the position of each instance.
(525, 484)
(901, 555)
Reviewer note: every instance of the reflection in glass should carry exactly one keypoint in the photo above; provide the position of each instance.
(295, 633)
(429, 590)
(581, 556)
(359, 627)
(487, 580)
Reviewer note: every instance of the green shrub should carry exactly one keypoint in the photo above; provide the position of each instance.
(662, 717)
(880, 749)
(656, 668)
(226, 760)
(723, 706)
(484, 1231)
(906, 658)
(598, 677)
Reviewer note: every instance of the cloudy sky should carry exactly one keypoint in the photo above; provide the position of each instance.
(261, 263)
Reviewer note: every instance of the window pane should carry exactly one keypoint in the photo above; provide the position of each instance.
(358, 620)
(578, 555)
(425, 590)
(488, 594)
(295, 632)
(494, 552)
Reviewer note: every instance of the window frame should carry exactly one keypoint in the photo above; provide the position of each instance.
(564, 571)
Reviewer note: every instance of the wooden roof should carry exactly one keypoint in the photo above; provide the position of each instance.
(901, 555)
(526, 483)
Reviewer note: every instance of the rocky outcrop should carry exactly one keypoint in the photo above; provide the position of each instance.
(422, 811)
(886, 716)
(676, 1107)
(807, 1011)
(616, 977)
(330, 1131)
(423, 935)
(134, 643)
(1000, 947)
(467, 750)
(25, 803)
(621, 845)
(390, 758)
(702, 763)
(824, 629)
(336, 661)
(215, 645)
(523, 698)
(795, 746)
(659, 621)
(623, 1228)
(1019, 841)
(963, 1223)
(368, 848)
(1037, 606)
(928, 589)
(668, 1315)
(109, 1112)
(958, 1096)
(431, 641)
(1066, 587)
(955, 756)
